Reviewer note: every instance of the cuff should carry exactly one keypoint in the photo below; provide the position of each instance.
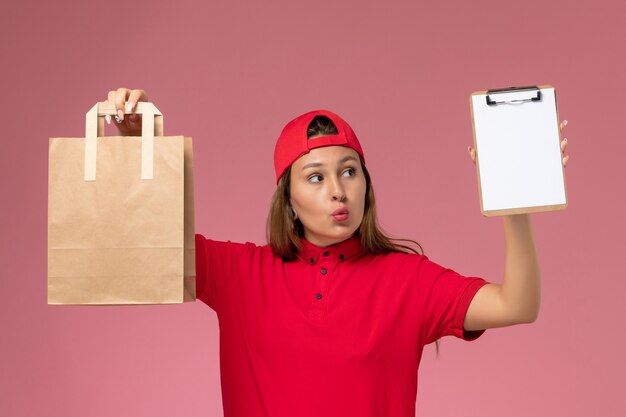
(463, 306)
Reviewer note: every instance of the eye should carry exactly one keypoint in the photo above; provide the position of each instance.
(352, 172)
(310, 179)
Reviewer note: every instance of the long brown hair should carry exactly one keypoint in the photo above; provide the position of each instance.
(284, 232)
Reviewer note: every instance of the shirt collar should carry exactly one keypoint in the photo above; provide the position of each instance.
(341, 251)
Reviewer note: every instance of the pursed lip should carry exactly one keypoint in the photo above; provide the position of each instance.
(340, 210)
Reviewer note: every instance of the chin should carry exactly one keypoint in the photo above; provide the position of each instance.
(344, 233)
(333, 231)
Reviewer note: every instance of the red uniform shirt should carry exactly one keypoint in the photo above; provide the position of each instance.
(335, 333)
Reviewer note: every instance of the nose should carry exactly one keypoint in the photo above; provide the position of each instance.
(337, 191)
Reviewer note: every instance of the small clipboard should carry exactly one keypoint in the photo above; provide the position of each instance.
(518, 150)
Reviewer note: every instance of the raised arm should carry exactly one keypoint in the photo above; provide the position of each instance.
(517, 299)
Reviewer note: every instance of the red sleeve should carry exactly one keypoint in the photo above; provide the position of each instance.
(217, 268)
(447, 296)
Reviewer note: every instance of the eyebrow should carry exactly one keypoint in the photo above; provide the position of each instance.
(317, 164)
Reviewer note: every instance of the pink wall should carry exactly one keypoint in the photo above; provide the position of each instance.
(230, 75)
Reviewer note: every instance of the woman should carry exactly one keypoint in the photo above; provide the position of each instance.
(330, 318)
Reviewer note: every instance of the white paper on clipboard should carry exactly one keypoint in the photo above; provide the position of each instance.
(517, 142)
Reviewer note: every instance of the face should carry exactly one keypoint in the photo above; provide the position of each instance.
(322, 181)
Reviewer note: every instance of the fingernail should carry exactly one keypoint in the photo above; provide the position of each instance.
(564, 122)
(565, 139)
(128, 106)
(120, 114)
(108, 119)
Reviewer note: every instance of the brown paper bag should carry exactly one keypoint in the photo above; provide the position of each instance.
(121, 215)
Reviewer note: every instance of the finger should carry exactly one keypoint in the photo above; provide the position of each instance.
(135, 96)
(563, 145)
(110, 99)
(563, 124)
(565, 161)
(121, 94)
(472, 153)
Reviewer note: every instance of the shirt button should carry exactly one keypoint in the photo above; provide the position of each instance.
(311, 260)
(341, 257)
(318, 296)
(323, 271)
(325, 253)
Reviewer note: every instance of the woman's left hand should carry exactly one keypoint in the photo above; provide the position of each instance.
(472, 151)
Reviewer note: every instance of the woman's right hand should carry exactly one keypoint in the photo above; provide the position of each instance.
(131, 124)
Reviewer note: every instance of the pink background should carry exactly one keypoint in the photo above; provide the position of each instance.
(230, 74)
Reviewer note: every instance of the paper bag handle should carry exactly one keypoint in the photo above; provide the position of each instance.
(151, 125)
